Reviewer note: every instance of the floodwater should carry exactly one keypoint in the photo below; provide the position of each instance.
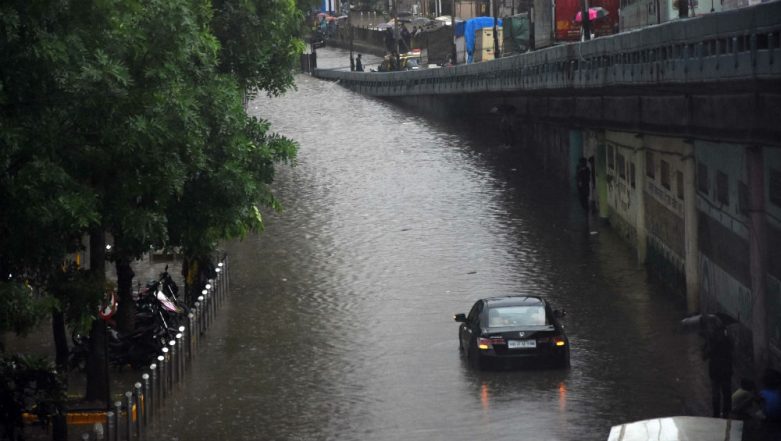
(339, 325)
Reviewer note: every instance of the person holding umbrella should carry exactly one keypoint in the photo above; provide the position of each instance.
(718, 351)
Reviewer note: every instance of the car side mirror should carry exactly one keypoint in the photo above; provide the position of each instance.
(460, 318)
(559, 313)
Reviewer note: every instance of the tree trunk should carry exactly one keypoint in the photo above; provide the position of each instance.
(126, 314)
(60, 341)
(97, 362)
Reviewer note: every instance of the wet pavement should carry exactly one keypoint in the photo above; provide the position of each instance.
(339, 324)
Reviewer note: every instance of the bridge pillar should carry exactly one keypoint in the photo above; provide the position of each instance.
(758, 254)
(642, 231)
(691, 234)
(575, 153)
(601, 184)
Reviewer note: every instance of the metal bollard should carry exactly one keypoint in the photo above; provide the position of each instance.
(118, 408)
(129, 419)
(110, 425)
(191, 336)
(138, 397)
(199, 315)
(188, 337)
(155, 395)
(97, 429)
(218, 279)
(147, 399)
(206, 306)
(180, 351)
(173, 363)
(167, 370)
(161, 363)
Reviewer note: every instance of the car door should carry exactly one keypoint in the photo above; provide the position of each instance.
(471, 327)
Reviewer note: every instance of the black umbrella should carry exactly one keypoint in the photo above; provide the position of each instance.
(707, 322)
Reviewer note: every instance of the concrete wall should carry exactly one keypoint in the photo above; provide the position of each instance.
(740, 263)
(772, 159)
(623, 195)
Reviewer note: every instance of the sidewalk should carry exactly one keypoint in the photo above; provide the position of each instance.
(40, 342)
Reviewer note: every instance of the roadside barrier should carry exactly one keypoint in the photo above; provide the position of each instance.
(134, 414)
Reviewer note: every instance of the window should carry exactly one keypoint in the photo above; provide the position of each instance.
(774, 192)
(650, 167)
(742, 197)
(632, 176)
(610, 160)
(702, 178)
(621, 164)
(508, 316)
(665, 174)
(722, 188)
(679, 184)
(474, 314)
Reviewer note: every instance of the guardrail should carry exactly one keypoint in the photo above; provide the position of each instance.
(736, 45)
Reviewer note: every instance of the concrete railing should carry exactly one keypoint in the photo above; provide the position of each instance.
(734, 46)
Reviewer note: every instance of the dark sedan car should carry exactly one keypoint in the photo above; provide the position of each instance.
(513, 328)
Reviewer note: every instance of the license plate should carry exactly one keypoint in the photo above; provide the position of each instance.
(521, 344)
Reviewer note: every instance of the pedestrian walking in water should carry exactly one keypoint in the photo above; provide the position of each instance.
(583, 182)
(358, 64)
(718, 352)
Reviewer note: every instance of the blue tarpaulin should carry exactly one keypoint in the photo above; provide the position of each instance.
(467, 29)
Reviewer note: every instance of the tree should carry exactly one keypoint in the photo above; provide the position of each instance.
(259, 42)
(116, 118)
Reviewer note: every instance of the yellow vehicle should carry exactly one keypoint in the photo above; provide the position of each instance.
(411, 60)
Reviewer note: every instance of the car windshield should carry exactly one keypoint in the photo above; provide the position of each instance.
(506, 316)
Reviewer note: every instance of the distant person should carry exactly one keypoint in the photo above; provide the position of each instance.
(745, 401)
(406, 38)
(358, 64)
(390, 41)
(770, 396)
(583, 182)
(718, 352)
(593, 197)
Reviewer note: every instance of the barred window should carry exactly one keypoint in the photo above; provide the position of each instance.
(679, 184)
(665, 174)
(722, 188)
(702, 178)
(774, 192)
(650, 167)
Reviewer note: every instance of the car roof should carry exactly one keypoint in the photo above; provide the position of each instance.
(513, 300)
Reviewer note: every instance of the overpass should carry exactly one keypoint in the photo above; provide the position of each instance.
(683, 121)
(712, 77)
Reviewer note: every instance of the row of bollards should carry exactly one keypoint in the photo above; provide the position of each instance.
(134, 413)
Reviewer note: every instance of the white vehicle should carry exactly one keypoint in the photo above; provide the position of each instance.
(678, 428)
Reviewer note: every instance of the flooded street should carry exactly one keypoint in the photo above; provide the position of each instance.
(340, 323)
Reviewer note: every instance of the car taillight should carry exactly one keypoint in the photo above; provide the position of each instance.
(558, 341)
(488, 343)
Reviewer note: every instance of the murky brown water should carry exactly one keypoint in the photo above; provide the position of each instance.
(339, 326)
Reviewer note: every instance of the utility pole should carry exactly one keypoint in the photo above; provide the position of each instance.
(352, 38)
(585, 19)
(497, 52)
(683, 8)
(396, 33)
(453, 23)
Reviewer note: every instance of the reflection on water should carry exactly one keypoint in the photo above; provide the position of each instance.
(340, 323)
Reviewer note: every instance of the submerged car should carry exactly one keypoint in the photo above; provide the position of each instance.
(513, 329)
